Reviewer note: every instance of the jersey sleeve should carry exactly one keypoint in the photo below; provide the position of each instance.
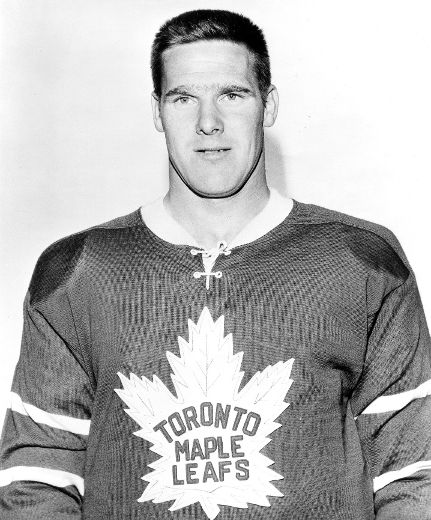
(45, 433)
(392, 405)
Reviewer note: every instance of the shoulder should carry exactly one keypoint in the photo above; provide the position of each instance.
(60, 261)
(314, 214)
(374, 244)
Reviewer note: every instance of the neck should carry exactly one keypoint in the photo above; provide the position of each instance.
(211, 220)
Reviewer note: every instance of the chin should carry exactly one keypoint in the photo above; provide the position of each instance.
(216, 193)
(211, 182)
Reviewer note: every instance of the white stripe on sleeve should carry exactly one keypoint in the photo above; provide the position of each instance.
(389, 403)
(62, 422)
(53, 477)
(386, 478)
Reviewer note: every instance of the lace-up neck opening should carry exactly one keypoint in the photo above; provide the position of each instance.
(209, 257)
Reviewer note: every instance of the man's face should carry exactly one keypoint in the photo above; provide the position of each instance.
(212, 114)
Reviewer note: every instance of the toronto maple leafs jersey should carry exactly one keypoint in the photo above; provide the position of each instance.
(286, 376)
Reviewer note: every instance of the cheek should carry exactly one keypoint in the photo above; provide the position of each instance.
(179, 117)
(246, 125)
(179, 131)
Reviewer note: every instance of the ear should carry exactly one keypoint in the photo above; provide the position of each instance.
(271, 107)
(155, 104)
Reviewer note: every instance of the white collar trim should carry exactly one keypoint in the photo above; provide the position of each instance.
(162, 224)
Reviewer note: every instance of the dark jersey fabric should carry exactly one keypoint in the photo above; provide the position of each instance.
(322, 312)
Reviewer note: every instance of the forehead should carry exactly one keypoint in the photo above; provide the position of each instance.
(206, 62)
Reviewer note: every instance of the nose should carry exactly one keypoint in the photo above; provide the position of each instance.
(209, 119)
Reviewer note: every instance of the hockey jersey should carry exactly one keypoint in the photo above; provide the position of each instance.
(285, 376)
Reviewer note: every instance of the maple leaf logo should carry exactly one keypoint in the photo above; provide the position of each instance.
(210, 435)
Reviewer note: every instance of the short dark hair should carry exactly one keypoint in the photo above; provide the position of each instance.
(212, 24)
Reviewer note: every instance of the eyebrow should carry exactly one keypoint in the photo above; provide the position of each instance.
(187, 90)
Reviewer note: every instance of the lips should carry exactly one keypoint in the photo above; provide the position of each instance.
(212, 150)
(212, 153)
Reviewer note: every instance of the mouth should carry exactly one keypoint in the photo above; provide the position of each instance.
(212, 149)
(212, 153)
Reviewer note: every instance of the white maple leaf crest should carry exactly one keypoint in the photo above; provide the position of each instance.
(209, 436)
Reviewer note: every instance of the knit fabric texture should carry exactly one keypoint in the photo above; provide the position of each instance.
(292, 383)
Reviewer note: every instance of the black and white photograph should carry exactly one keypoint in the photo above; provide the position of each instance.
(215, 282)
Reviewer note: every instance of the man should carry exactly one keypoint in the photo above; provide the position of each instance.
(223, 352)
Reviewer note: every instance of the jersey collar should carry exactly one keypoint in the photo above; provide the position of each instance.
(162, 224)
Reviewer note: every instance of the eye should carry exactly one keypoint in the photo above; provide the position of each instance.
(183, 100)
(232, 96)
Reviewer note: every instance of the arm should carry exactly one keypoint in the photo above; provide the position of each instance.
(44, 436)
(392, 403)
